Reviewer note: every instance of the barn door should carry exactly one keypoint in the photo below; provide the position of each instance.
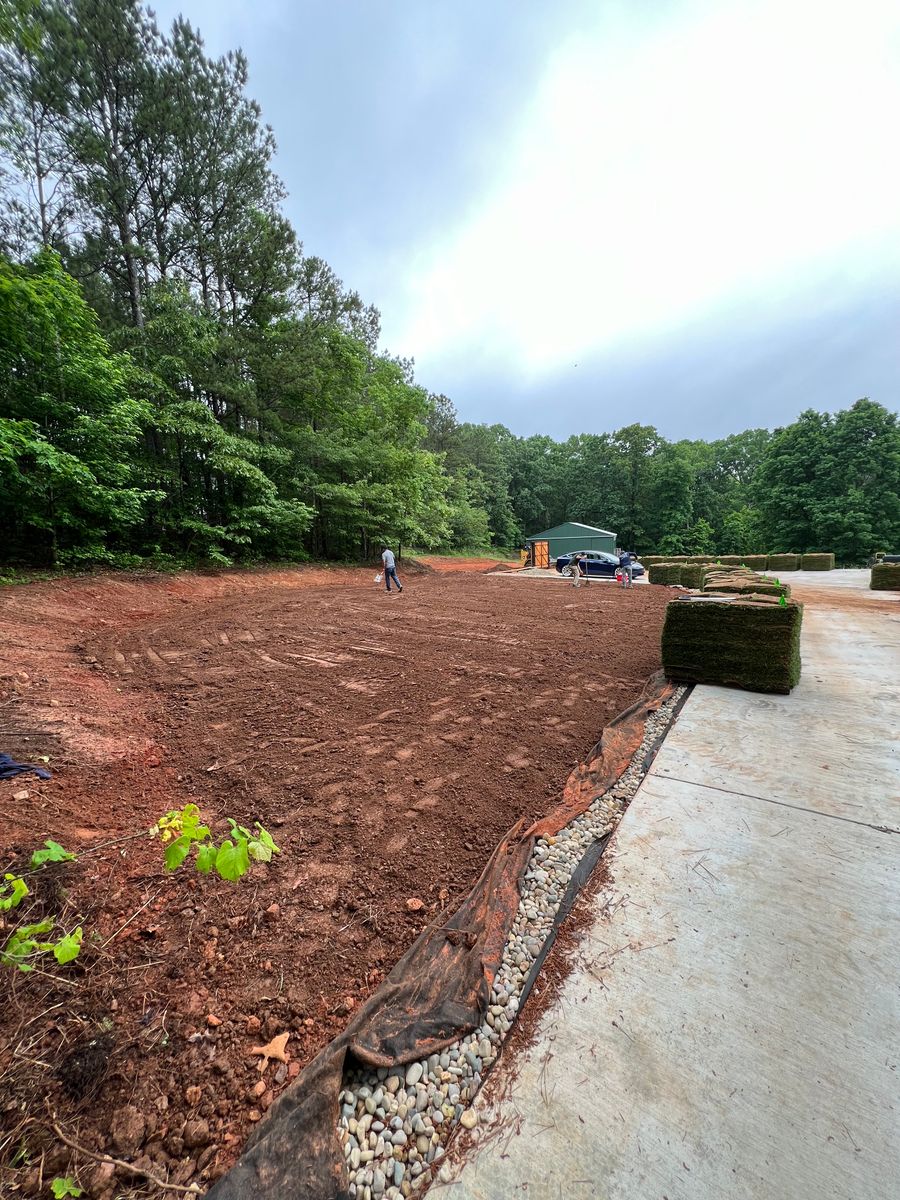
(542, 554)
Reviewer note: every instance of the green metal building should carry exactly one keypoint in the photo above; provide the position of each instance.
(572, 535)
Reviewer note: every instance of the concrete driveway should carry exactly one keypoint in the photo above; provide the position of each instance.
(731, 1024)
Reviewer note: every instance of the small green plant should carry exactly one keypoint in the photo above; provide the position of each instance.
(180, 829)
(65, 1186)
(782, 601)
(52, 852)
(24, 945)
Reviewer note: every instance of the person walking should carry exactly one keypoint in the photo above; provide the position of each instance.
(627, 569)
(579, 564)
(390, 569)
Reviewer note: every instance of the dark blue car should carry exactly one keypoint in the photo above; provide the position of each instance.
(596, 563)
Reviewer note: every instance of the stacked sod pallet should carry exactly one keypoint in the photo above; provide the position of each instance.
(649, 560)
(783, 562)
(750, 641)
(885, 577)
(665, 572)
(777, 563)
(692, 575)
(817, 562)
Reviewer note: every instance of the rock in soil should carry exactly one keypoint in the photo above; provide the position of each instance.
(127, 1130)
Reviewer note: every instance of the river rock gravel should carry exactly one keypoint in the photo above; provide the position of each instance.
(395, 1123)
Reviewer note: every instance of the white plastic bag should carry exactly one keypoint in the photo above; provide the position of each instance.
(379, 578)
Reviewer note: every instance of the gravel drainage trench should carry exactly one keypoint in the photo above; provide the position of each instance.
(395, 1123)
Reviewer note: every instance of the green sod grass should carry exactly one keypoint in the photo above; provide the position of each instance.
(885, 577)
(665, 572)
(752, 642)
(817, 562)
(783, 562)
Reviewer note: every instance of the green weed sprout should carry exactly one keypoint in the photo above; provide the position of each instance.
(180, 830)
(65, 1186)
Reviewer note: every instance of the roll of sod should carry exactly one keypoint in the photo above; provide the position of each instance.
(730, 560)
(885, 577)
(756, 562)
(649, 560)
(711, 574)
(751, 642)
(817, 562)
(665, 572)
(783, 562)
(750, 587)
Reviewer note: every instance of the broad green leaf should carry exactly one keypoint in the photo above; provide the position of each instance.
(177, 851)
(206, 858)
(232, 860)
(265, 837)
(22, 944)
(13, 891)
(53, 852)
(44, 926)
(68, 947)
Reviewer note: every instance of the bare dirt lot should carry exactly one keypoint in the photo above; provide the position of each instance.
(387, 742)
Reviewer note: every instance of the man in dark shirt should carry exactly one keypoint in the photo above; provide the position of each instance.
(626, 568)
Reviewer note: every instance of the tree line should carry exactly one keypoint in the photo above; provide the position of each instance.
(180, 380)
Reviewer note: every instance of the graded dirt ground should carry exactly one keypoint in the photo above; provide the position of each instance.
(387, 743)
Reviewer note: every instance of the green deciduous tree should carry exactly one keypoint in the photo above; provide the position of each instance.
(69, 427)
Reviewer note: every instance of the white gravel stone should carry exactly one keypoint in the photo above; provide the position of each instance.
(422, 1106)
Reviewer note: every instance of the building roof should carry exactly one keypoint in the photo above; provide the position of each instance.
(587, 529)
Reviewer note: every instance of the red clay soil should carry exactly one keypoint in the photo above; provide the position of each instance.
(387, 743)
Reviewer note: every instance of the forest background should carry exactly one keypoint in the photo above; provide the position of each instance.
(180, 381)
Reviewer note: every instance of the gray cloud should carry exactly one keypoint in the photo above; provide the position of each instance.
(390, 118)
(711, 379)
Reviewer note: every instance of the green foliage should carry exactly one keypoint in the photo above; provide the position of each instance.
(702, 538)
(53, 852)
(65, 1186)
(831, 483)
(67, 423)
(181, 830)
(13, 891)
(26, 943)
(68, 947)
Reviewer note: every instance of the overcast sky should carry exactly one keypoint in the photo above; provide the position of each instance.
(575, 215)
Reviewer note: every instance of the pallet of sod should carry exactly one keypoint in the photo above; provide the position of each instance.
(817, 562)
(755, 562)
(665, 572)
(751, 642)
(783, 562)
(885, 577)
(692, 574)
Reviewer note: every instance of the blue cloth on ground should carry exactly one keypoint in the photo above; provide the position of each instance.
(9, 768)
